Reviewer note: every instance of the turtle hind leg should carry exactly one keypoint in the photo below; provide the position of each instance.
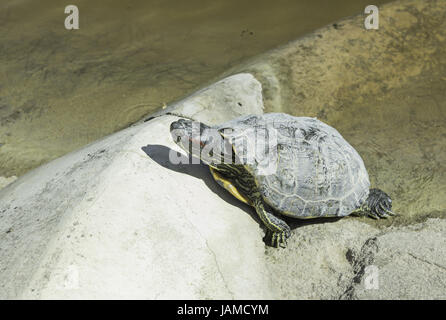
(277, 230)
(378, 205)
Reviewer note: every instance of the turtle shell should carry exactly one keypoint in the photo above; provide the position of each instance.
(303, 167)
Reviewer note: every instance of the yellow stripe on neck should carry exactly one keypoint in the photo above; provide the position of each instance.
(228, 186)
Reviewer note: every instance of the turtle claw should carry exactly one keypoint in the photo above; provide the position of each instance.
(385, 213)
(382, 214)
(373, 215)
(278, 238)
(377, 214)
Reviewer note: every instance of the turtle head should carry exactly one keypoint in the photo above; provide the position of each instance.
(199, 140)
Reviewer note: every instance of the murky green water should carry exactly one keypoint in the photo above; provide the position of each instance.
(60, 89)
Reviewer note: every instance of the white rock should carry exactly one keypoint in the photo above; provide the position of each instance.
(4, 181)
(116, 219)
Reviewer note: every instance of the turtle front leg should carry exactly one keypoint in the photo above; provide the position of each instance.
(241, 185)
(278, 230)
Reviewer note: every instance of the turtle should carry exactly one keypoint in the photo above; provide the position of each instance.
(298, 167)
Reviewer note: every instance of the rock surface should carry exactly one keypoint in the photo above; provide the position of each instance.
(411, 263)
(349, 259)
(117, 219)
(4, 181)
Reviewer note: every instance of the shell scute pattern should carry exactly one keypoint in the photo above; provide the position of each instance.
(317, 173)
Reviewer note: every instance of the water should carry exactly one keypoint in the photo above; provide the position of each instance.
(60, 89)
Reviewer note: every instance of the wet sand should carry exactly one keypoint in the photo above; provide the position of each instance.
(60, 89)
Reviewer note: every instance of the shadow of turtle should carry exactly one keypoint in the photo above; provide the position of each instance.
(297, 223)
(196, 168)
